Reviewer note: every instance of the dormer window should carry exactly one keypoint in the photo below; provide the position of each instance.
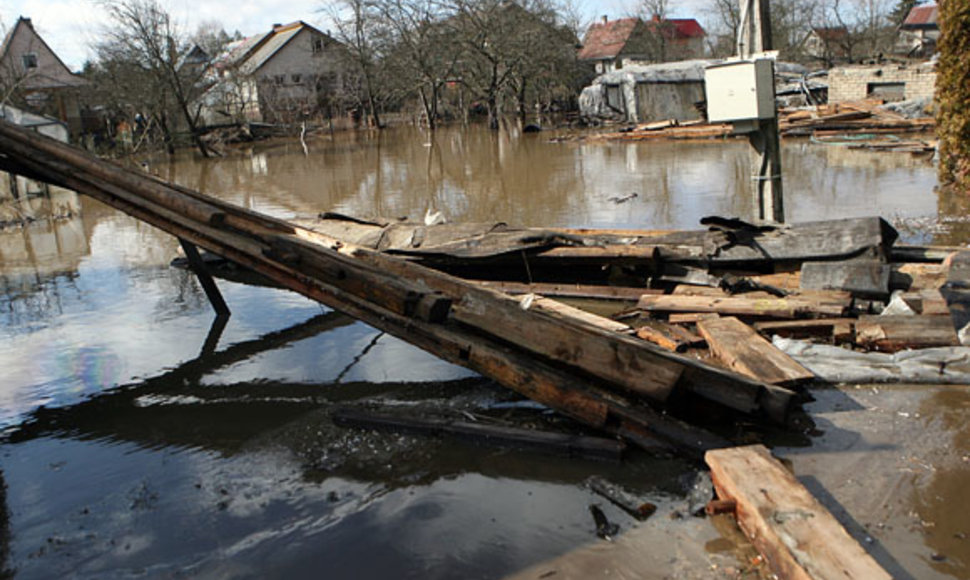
(29, 60)
(317, 45)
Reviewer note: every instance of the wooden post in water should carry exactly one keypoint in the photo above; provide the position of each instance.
(205, 278)
(755, 38)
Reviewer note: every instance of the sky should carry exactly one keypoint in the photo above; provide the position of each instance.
(71, 26)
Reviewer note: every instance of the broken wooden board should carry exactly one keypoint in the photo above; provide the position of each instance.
(864, 278)
(742, 349)
(790, 307)
(837, 329)
(797, 536)
(895, 333)
(668, 336)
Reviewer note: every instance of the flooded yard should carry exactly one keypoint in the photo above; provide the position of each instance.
(142, 442)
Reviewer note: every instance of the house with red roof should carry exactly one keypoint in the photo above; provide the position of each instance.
(612, 44)
(920, 31)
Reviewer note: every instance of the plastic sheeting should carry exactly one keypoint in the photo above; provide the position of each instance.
(946, 365)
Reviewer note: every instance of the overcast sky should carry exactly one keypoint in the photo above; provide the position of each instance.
(70, 26)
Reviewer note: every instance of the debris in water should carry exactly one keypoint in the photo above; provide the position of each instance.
(604, 528)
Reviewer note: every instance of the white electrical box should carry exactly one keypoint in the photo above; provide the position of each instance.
(740, 90)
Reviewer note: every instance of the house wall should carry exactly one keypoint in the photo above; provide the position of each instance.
(853, 83)
(49, 88)
(297, 79)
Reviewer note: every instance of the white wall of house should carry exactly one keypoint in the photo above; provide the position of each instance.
(308, 66)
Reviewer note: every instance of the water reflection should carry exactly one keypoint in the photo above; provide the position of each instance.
(483, 176)
(132, 453)
(947, 530)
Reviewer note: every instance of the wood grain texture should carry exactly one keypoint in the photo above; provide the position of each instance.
(742, 349)
(798, 537)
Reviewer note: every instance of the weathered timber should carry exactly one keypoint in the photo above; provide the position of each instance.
(831, 328)
(623, 360)
(502, 316)
(689, 317)
(622, 498)
(596, 292)
(668, 336)
(741, 306)
(797, 536)
(205, 279)
(735, 245)
(247, 238)
(562, 443)
(895, 333)
(928, 302)
(863, 278)
(930, 254)
(739, 347)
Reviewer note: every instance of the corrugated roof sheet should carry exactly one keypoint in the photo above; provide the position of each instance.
(921, 17)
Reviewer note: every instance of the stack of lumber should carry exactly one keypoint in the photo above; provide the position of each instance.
(825, 122)
(850, 117)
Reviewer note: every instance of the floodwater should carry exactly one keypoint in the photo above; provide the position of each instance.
(143, 442)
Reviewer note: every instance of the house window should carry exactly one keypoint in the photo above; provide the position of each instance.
(317, 45)
(295, 79)
(30, 60)
(279, 79)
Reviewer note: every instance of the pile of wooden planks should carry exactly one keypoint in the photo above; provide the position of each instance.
(865, 116)
(840, 123)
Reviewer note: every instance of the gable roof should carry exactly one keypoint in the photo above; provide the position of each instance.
(605, 40)
(831, 33)
(58, 77)
(921, 18)
(686, 28)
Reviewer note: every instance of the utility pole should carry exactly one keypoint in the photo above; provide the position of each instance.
(754, 38)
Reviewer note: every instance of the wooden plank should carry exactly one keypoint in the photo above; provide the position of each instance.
(563, 443)
(239, 237)
(928, 302)
(918, 276)
(740, 306)
(797, 536)
(863, 278)
(689, 317)
(895, 333)
(817, 328)
(618, 293)
(623, 360)
(739, 347)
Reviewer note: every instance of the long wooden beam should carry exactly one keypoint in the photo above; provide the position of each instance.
(554, 359)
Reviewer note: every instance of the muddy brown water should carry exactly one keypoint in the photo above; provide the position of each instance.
(135, 448)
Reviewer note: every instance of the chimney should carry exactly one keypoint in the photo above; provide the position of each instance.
(277, 25)
(605, 19)
(28, 22)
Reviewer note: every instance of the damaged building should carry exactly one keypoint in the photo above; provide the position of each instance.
(665, 91)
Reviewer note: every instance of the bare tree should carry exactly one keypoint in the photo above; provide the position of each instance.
(145, 45)
(426, 53)
(360, 28)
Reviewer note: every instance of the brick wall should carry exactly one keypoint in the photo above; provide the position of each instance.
(853, 83)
